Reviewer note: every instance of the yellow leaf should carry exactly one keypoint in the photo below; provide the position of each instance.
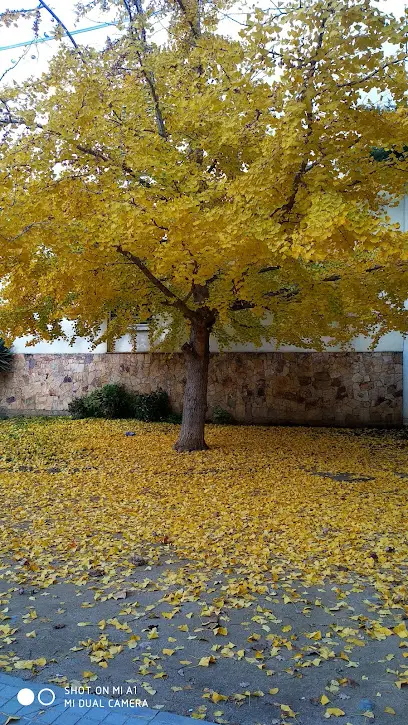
(132, 642)
(216, 697)
(148, 688)
(324, 700)
(169, 615)
(168, 652)
(314, 635)
(334, 711)
(287, 710)
(87, 674)
(401, 630)
(390, 710)
(274, 690)
(29, 664)
(206, 661)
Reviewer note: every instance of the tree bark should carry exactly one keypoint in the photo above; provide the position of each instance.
(197, 356)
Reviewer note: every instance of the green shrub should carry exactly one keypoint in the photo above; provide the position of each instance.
(221, 416)
(150, 406)
(111, 401)
(175, 418)
(5, 358)
(114, 401)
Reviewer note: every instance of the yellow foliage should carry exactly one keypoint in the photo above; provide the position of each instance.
(213, 530)
(233, 180)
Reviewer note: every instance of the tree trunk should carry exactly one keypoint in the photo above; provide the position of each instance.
(197, 356)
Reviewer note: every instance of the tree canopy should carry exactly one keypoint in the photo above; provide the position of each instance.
(227, 179)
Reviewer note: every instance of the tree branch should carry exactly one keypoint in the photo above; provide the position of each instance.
(195, 31)
(176, 301)
(350, 84)
(97, 154)
(147, 75)
(289, 292)
(63, 26)
(288, 206)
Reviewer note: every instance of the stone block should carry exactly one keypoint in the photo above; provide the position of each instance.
(320, 388)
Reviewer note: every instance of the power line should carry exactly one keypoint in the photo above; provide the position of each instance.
(46, 39)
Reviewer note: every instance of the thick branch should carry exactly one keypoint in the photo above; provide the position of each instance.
(194, 30)
(175, 301)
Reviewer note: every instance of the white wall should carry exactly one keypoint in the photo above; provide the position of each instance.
(392, 342)
(125, 343)
(57, 346)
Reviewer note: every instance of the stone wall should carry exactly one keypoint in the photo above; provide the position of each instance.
(341, 388)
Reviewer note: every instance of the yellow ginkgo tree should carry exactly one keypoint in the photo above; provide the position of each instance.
(217, 181)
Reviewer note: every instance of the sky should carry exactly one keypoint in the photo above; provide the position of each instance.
(32, 59)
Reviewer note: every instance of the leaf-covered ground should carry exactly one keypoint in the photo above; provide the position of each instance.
(263, 581)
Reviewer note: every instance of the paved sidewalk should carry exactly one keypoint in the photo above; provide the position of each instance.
(69, 710)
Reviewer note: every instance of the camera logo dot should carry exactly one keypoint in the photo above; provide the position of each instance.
(25, 696)
(46, 697)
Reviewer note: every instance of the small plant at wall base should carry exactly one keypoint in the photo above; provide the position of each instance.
(6, 357)
(114, 401)
(223, 186)
(220, 416)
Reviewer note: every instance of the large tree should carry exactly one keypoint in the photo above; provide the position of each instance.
(218, 185)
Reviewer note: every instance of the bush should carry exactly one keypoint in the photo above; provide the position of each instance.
(222, 417)
(5, 358)
(114, 401)
(111, 401)
(150, 406)
(175, 418)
